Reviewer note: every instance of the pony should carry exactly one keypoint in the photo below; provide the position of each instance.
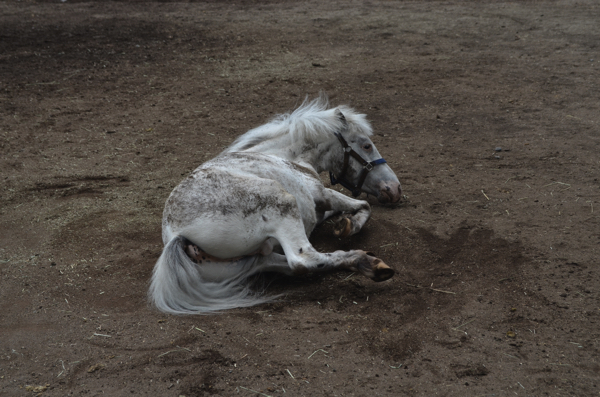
(251, 209)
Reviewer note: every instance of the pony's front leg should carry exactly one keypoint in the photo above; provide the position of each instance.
(354, 213)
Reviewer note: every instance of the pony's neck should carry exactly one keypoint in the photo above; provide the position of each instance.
(323, 156)
(319, 155)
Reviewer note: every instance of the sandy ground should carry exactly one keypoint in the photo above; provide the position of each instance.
(488, 112)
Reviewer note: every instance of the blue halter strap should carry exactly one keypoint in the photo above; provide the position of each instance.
(367, 167)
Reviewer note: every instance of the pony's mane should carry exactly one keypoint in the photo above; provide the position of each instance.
(313, 121)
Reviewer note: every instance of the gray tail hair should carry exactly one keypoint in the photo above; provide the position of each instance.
(178, 285)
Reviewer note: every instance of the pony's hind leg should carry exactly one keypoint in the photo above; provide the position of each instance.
(303, 258)
(274, 262)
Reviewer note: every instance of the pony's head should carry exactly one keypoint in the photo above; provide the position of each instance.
(333, 139)
(361, 167)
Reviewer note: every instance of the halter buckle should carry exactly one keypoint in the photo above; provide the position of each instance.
(369, 167)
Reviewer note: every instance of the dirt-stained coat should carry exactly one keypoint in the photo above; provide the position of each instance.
(487, 111)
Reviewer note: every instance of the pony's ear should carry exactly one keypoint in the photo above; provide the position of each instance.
(340, 116)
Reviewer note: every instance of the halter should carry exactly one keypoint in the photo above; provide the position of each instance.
(367, 167)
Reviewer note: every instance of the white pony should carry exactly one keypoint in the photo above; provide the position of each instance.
(222, 223)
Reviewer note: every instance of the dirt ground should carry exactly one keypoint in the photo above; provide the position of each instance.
(488, 112)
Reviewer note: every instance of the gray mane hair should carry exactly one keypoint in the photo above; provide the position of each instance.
(313, 121)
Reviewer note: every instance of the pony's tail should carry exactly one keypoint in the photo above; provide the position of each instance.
(178, 285)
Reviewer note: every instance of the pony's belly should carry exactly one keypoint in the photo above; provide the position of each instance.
(226, 239)
(231, 213)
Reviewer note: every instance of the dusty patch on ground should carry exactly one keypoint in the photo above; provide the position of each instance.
(488, 113)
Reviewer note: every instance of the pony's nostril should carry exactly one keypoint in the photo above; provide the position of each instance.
(389, 192)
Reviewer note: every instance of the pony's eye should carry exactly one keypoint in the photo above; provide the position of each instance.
(367, 146)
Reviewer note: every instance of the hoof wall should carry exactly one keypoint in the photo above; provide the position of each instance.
(343, 227)
(382, 272)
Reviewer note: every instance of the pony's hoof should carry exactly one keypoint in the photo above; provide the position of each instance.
(373, 268)
(193, 253)
(343, 227)
(381, 271)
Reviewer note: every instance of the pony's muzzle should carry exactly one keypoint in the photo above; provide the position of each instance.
(389, 192)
